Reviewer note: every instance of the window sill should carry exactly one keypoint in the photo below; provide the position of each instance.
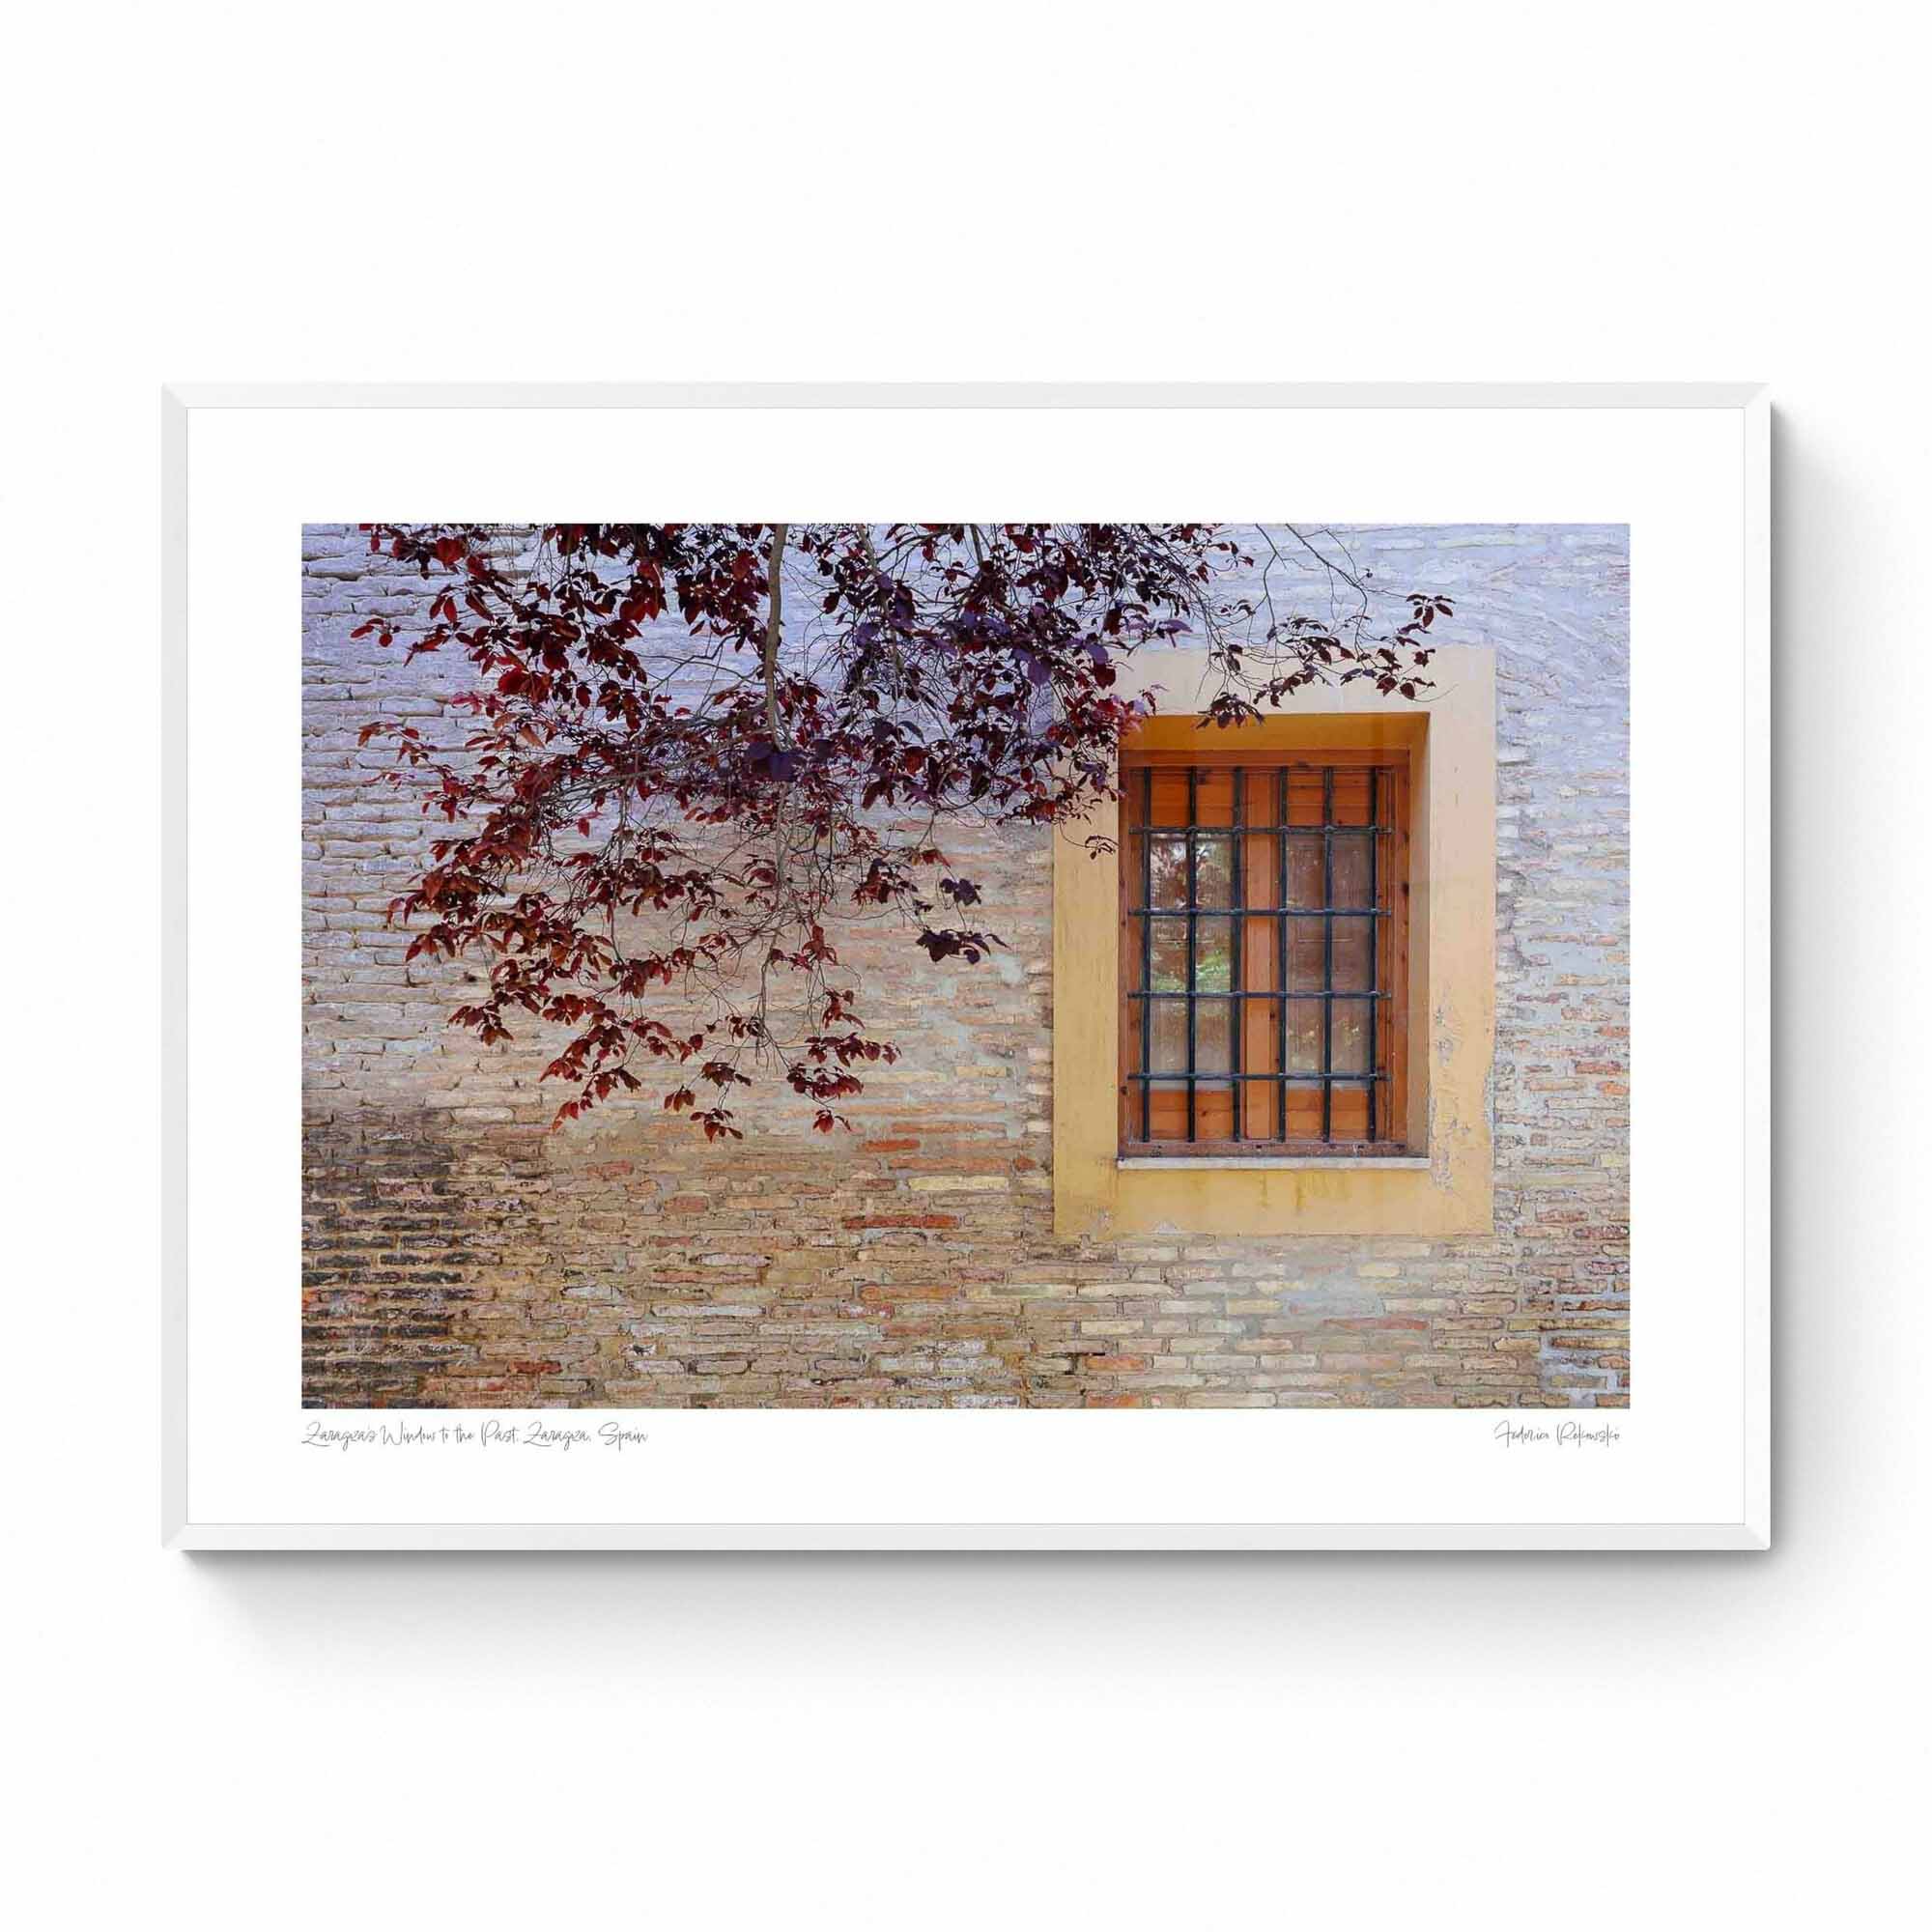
(1275, 1163)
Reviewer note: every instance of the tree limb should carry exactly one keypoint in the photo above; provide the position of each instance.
(773, 631)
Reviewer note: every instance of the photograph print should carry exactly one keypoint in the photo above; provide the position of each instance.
(965, 965)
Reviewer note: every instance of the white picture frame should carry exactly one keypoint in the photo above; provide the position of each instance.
(237, 459)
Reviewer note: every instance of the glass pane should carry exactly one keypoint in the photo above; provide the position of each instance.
(1304, 872)
(1355, 959)
(1352, 1041)
(1304, 1035)
(1167, 884)
(1214, 955)
(1212, 1035)
(1305, 955)
(1213, 870)
(1354, 884)
(1169, 948)
(1169, 1043)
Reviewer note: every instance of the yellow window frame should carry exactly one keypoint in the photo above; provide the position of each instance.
(1445, 1185)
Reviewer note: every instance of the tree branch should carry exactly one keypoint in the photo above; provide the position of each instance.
(773, 631)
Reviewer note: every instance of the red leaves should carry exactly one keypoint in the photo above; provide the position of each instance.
(952, 944)
(645, 810)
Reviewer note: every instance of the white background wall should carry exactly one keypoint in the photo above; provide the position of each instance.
(1475, 191)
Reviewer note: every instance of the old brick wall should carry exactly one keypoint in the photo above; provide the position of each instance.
(456, 1253)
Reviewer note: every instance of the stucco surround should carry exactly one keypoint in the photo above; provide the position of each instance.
(1449, 731)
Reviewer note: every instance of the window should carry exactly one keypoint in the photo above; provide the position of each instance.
(1263, 969)
(1427, 1172)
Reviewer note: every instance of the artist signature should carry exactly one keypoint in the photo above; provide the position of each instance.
(1564, 1435)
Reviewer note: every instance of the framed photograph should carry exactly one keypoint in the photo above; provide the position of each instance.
(1071, 1033)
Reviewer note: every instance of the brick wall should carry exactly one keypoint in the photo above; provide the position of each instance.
(456, 1253)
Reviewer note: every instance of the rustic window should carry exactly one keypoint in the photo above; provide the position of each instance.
(1263, 970)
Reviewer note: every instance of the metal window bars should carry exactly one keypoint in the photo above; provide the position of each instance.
(1321, 985)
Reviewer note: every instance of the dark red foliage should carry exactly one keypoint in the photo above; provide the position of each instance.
(675, 777)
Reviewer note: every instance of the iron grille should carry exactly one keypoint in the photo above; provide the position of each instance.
(1260, 974)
